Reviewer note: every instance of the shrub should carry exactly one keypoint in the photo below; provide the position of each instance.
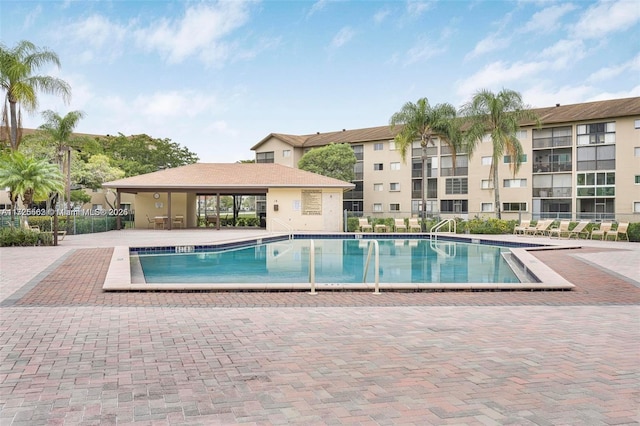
(634, 232)
(18, 237)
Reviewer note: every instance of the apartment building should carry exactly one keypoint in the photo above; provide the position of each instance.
(583, 162)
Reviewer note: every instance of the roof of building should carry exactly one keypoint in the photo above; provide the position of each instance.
(549, 115)
(226, 178)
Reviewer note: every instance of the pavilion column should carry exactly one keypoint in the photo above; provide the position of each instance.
(118, 216)
(218, 211)
(169, 210)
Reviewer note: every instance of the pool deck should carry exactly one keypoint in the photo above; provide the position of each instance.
(73, 354)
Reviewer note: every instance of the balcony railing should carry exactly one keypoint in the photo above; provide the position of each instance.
(552, 142)
(460, 171)
(552, 166)
(557, 192)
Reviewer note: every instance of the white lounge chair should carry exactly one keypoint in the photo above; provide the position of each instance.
(579, 230)
(602, 230)
(399, 225)
(524, 225)
(414, 225)
(622, 229)
(563, 228)
(364, 225)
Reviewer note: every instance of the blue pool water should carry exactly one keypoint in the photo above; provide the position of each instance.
(336, 261)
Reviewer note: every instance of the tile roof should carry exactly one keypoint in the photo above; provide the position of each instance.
(228, 177)
(549, 115)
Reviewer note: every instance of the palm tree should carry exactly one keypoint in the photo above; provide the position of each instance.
(17, 79)
(499, 116)
(29, 178)
(422, 122)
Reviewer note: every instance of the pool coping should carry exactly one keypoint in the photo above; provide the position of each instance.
(119, 276)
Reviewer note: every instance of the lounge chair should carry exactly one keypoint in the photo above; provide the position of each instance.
(150, 222)
(399, 225)
(524, 225)
(562, 229)
(622, 229)
(540, 228)
(579, 230)
(602, 230)
(363, 224)
(414, 225)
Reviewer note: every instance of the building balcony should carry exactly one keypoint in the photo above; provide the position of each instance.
(552, 166)
(557, 192)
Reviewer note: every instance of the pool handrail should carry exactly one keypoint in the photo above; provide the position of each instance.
(435, 228)
(312, 267)
(285, 226)
(373, 246)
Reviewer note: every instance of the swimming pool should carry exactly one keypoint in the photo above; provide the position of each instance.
(344, 261)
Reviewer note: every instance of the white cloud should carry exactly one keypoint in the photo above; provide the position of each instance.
(564, 53)
(342, 37)
(418, 7)
(548, 19)
(606, 17)
(96, 38)
(608, 73)
(542, 95)
(200, 32)
(317, 7)
(497, 75)
(381, 15)
(423, 50)
(489, 44)
(173, 104)
(32, 17)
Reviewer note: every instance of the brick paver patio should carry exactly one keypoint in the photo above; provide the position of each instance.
(72, 354)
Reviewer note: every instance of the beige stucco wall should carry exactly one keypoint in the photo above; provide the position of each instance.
(278, 148)
(290, 215)
(627, 167)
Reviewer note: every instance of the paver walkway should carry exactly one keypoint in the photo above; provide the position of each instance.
(72, 354)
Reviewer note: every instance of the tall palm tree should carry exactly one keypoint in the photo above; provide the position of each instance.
(17, 79)
(422, 122)
(28, 178)
(498, 115)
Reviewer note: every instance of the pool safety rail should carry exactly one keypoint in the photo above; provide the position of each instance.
(450, 223)
(284, 225)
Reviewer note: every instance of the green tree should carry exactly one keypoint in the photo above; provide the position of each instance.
(28, 178)
(333, 160)
(96, 171)
(17, 79)
(139, 154)
(421, 122)
(499, 116)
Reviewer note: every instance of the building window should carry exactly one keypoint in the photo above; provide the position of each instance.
(286, 153)
(394, 186)
(637, 124)
(358, 150)
(637, 179)
(378, 146)
(486, 161)
(552, 137)
(486, 207)
(462, 166)
(377, 187)
(600, 184)
(456, 186)
(264, 157)
(392, 145)
(454, 206)
(378, 166)
(395, 166)
(394, 207)
(486, 184)
(596, 133)
(596, 157)
(514, 207)
(515, 183)
(377, 207)
(96, 207)
(523, 158)
(636, 151)
(636, 206)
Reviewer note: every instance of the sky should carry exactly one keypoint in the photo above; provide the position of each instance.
(219, 76)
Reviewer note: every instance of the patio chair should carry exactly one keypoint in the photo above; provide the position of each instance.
(150, 222)
(524, 225)
(579, 230)
(540, 228)
(602, 230)
(622, 229)
(563, 228)
(399, 225)
(414, 225)
(178, 221)
(158, 222)
(363, 224)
